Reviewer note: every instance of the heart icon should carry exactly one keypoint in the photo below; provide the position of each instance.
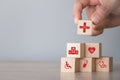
(91, 50)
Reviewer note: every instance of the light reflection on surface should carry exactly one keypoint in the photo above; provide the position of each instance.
(86, 76)
(115, 75)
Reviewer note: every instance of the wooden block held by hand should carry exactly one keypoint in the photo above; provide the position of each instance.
(87, 65)
(75, 50)
(104, 64)
(93, 50)
(84, 27)
(69, 64)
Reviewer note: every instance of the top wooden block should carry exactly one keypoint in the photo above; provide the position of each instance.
(84, 27)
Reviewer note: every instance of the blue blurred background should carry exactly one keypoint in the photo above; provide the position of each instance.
(39, 30)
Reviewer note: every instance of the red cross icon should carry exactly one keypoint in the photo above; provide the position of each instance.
(85, 27)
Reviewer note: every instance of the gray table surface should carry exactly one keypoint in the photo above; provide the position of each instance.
(36, 70)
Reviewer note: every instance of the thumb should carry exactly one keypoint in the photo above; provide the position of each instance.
(100, 14)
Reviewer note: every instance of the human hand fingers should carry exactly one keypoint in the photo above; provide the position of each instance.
(79, 5)
(104, 9)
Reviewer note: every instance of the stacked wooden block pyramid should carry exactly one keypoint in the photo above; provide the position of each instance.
(85, 57)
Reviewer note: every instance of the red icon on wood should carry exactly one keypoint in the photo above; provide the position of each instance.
(85, 63)
(102, 64)
(73, 51)
(91, 49)
(67, 65)
(84, 27)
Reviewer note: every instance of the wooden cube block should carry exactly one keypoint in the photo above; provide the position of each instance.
(69, 64)
(84, 27)
(104, 64)
(93, 50)
(75, 50)
(87, 65)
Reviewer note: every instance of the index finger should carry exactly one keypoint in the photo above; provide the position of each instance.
(79, 5)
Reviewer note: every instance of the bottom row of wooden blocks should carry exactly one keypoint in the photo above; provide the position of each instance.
(103, 64)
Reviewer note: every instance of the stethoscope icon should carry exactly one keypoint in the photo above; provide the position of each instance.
(102, 64)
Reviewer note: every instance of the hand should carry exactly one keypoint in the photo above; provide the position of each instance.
(103, 13)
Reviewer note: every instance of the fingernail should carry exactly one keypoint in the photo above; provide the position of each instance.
(95, 19)
(76, 21)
